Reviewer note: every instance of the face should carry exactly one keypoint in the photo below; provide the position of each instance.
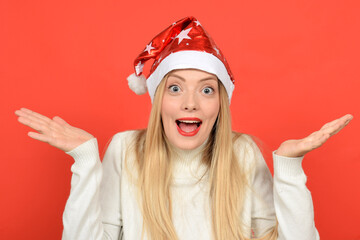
(190, 106)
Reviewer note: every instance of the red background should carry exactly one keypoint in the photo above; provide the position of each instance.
(296, 64)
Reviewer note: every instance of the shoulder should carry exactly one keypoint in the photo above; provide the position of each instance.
(244, 143)
(116, 150)
(121, 141)
(247, 151)
(123, 138)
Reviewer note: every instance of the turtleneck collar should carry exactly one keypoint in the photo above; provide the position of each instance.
(188, 154)
(187, 165)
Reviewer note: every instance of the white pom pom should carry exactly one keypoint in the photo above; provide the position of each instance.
(137, 84)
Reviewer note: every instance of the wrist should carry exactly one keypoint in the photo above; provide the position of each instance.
(289, 148)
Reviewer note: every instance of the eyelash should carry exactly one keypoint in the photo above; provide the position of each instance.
(172, 86)
(212, 90)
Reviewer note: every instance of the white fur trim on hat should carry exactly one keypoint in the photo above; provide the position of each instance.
(190, 59)
(137, 84)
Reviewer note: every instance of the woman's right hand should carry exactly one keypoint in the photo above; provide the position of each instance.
(55, 132)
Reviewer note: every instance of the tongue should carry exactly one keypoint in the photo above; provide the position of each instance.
(188, 127)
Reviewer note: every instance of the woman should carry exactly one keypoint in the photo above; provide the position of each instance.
(187, 176)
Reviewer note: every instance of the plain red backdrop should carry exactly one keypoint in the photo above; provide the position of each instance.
(296, 65)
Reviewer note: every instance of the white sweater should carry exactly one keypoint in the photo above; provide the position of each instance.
(102, 202)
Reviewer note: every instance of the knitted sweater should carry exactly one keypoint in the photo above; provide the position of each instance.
(103, 198)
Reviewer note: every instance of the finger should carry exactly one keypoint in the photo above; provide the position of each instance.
(35, 114)
(60, 121)
(323, 139)
(332, 123)
(344, 119)
(316, 141)
(33, 124)
(348, 118)
(335, 128)
(329, 124)
(31, 117)
(33, 121)
(38, 136)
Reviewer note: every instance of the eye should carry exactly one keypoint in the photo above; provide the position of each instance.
(174, 88)
(208, 90)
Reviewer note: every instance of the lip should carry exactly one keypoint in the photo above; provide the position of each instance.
(188, 134)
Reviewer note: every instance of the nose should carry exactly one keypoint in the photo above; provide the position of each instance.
(190, 102)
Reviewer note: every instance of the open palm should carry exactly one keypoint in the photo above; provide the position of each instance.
(299, 147)
(55, 131)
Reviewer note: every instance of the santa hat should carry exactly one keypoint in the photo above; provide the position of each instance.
(184, 44)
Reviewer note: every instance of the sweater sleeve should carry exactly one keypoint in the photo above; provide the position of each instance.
(284, 198)
(92, 211)
(293, 202)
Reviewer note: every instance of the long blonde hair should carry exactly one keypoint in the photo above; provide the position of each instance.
(226, 177)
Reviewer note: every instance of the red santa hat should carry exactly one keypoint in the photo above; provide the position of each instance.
(184, 44)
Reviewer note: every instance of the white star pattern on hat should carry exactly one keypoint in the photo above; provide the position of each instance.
(139, 68)
(183, 35)
(149, 48)
(203, 55)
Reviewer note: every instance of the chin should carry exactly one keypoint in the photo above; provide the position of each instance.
(186, 140)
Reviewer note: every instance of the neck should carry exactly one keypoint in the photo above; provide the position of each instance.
(187, 153)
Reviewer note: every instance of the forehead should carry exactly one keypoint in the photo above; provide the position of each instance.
(192, 74)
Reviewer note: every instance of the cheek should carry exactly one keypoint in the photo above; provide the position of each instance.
(213, 110)
(167, 111)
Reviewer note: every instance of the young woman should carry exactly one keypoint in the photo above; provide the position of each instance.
(187, 176)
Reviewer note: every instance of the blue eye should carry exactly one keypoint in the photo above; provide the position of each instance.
(208, 90)
(174, 88)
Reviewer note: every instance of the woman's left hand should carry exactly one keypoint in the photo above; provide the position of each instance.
(299, 147)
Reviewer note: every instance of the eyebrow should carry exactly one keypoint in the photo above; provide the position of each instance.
(201, 80)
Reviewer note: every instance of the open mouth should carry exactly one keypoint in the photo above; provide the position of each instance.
(188, 127)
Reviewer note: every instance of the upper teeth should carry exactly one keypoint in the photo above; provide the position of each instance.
(189, 121)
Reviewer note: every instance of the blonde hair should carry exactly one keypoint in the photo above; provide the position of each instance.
(226, 177)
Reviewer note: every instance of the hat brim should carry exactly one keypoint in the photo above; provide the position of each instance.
(190, 59)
